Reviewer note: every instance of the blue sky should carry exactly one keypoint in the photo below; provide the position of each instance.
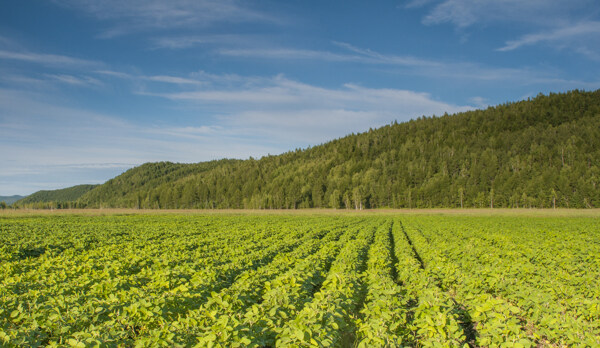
(90, 88)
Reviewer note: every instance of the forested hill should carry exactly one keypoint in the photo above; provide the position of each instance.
(532, 153)
(10, 199)
(69, 194)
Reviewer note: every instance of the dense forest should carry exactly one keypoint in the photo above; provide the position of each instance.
(542, 152)
(63, 198)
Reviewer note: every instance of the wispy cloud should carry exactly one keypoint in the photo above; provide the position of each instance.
(463, 70)
(30, 82)
(186, 41)
(129, 16)
(31, 79)
(280, 109)
(559, 24)
(198, 133)
(97, 165)
(173, 80)
(479, 102)
(290, 54)
(20, 108)
(113, 73)
(562, 36)
(349, 53)
(417, 3)
(49, 59)
(376, 57)
(464, 13)
(176, 80)
(81, 81)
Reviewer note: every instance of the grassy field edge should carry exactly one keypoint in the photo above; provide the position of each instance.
(562, 212)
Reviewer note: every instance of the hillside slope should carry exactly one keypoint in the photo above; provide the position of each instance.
(10, 199)
(69, 194)
(535, 153)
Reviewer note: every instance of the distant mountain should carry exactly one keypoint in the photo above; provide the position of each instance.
(10, 199)
(69, 194)
(541, 152)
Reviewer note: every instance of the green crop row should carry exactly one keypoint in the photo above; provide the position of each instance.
(385, 314)
(298, 281)
(510, 295)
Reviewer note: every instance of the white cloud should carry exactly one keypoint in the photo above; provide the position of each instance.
(375, 57)
(417, 3)
(139, 15)
(289, 54)
(97, 165)
(266, 95)
(48, 82)
(49, 59)
(113, 73)
(480, 102)
(168, 79)
(281, 109)
(590, 53)
(179, 42)
(560, 23)
(562, 36)
(27, 81)
(280, 91)
(173, 79)
(464, 13)
(406, 64)
(349, 54)
(200, 132)
(75, 80)
(310, 126)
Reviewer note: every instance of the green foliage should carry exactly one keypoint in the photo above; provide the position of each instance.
(298, 280)
(384, 321)
(541, 153)
(57, 199)
(527, 282)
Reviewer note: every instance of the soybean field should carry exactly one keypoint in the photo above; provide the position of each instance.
(312, 280)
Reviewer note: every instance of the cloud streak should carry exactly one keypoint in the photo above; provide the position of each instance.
(281, 109)
(350, 54)
(129, 16)
(560, 35)
(278, 90)
(559, 23)
(465, 13)
(186, 41)
(405, 64)
(167, 79)
(82, 81)
(49, 59)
